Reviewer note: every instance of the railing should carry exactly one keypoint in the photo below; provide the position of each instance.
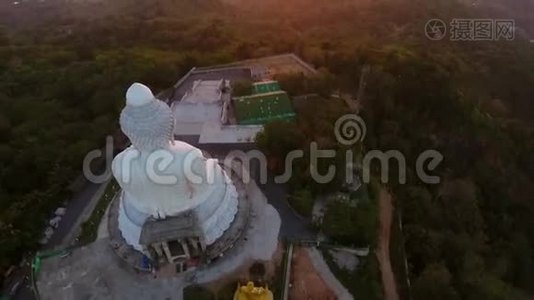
(36, 265)
(287, 271)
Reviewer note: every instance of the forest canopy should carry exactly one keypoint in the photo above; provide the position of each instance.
(63, 74)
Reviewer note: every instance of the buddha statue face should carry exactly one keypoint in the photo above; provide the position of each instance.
(147, 121)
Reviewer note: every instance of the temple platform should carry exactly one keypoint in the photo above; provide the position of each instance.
(96, 271)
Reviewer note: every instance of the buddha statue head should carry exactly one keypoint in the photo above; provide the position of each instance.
(147, 121)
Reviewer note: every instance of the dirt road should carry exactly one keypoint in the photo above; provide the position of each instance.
(306, 281)
(382, 253)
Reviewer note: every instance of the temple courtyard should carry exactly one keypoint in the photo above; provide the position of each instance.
(97, 272)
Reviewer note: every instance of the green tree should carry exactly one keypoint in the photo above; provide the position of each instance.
(434, 283)
(351, 225)
(302, 201)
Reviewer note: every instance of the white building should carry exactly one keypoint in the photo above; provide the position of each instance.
(201, 104)
(203, 111)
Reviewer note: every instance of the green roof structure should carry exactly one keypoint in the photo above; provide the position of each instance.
(262, 108)
(265, 87)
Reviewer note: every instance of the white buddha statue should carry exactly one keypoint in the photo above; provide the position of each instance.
(162, 177)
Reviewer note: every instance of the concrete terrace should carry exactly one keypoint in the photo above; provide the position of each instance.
(276, 64)
(248, 69)
(187, 81)
(215, 123)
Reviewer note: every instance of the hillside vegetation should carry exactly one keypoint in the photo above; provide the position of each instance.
(64, 68)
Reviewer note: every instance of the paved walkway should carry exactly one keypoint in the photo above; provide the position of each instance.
(287, 274)
(103, 231)
(90, 204)
(216, 133)
(96, 272)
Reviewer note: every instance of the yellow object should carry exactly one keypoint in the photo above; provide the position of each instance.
(251, 292)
